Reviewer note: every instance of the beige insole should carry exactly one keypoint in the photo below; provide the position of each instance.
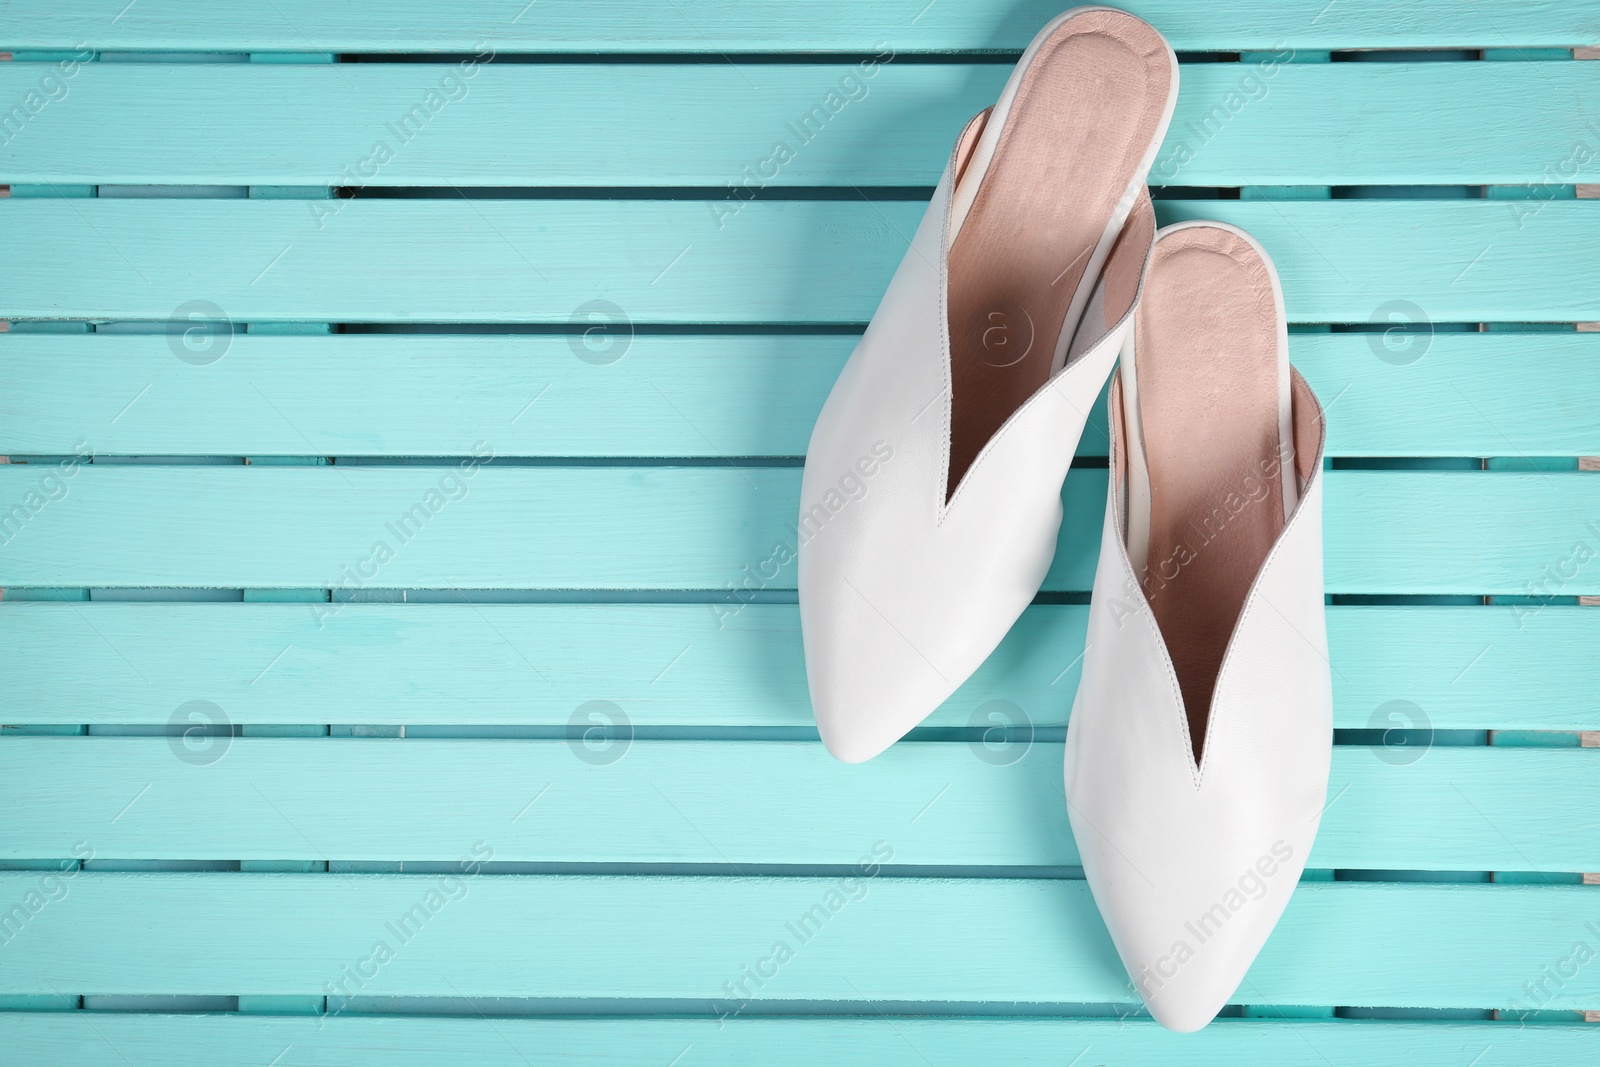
(1209, 388)
(1087, 109)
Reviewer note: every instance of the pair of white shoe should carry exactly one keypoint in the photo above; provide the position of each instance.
(1199, 742)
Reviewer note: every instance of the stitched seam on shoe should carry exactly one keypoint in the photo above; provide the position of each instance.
(1053, 384)
(1255, 595)
(942, 488)
(948, 499)
(1147, 616)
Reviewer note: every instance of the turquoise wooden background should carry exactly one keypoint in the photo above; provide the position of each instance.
(405, 406)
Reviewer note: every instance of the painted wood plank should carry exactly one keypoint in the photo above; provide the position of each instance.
(680, 262)
(693, 938)
(1328, 281)
(69, 1039)
(712, 26)
(644, 395)
(1426, 393)
(1430, 394)
(729, 665)
(865, 123)
(943, 804)
(474, 525)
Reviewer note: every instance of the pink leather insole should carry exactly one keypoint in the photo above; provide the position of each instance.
(1087, 109)
(1208, 387)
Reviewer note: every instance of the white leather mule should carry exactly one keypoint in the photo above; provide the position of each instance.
(1198, 748)
(932, 489)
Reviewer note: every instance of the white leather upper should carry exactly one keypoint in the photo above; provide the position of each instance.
(1190, 865)
(901, 596)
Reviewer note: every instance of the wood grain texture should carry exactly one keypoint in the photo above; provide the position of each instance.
(68, 1039)
(1454, 394)
(689, 937)
(942, 804)
(679, 262)
(347, 395)
(1468, 394)
(689, 528)
(725, 771)
(686, 666)
(1263, 122)
(712, 26)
